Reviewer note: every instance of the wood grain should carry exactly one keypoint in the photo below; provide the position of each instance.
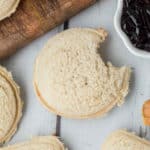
(33, 18)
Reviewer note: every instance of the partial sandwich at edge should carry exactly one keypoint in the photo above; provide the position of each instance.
(10, 105)
(38, 143)
(123, 140)
(7, 8)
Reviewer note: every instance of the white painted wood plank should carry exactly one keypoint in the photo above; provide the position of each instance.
(90, 134)
(36, 120)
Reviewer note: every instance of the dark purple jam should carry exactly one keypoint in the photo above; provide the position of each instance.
(135, 22)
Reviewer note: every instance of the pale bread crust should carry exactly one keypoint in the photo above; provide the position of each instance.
(102, 33)
(122, 140)
(7, 8)
(38, 143)
(15, 103)
(48, 107)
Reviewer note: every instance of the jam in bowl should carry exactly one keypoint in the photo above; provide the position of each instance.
(132, 21)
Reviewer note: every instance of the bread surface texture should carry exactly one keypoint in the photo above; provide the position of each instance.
(38, 143)
(123, 140)
(7, 7)
(10, 105)
(71, 79)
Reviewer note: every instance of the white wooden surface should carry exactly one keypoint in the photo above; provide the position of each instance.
(83, 134)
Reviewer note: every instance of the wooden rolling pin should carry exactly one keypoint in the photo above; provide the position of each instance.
(33, 18)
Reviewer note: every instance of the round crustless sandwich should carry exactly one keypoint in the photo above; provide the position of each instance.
(71, 79)
(38, 143)
(123, 140)
(7, 7)
(10, 105)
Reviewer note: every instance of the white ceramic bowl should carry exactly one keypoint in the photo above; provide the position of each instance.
(124, 37)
